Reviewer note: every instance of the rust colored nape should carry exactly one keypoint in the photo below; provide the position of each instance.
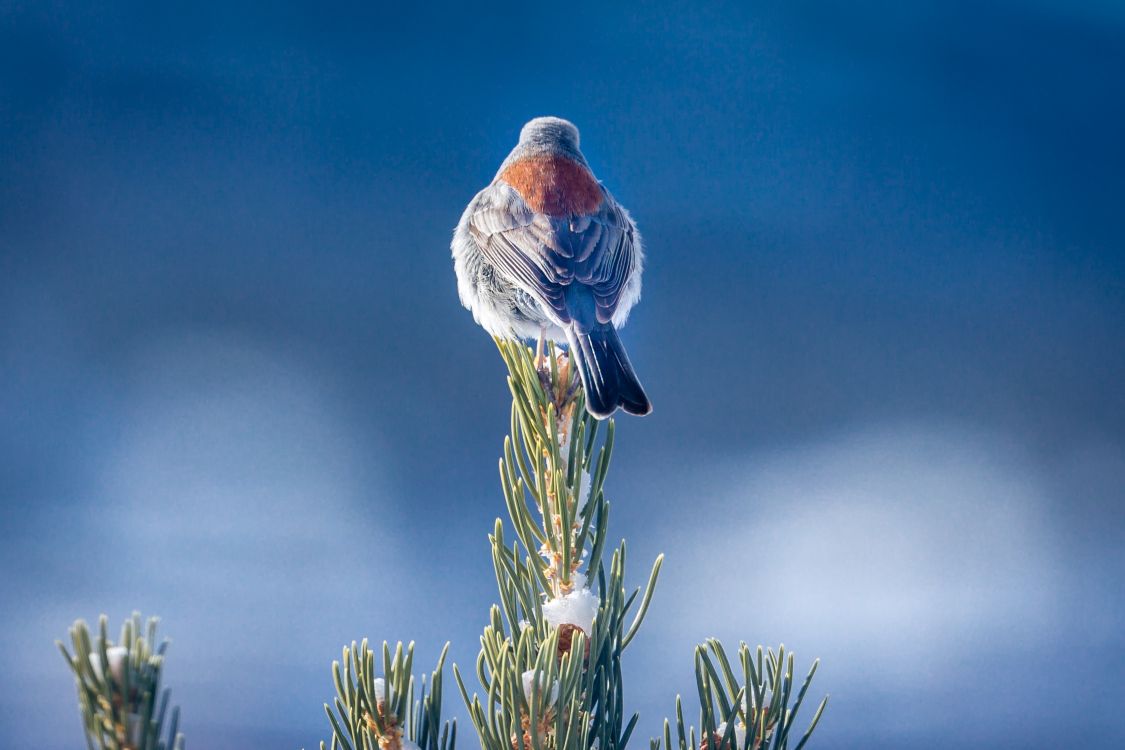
(554, 185)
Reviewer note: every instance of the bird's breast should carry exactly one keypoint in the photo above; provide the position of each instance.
(554, 185)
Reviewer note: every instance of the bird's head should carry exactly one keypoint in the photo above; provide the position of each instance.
(550, 132)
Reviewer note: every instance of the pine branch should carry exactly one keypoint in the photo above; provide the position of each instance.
(119, 695)
(550, 660)
(381, 712)
(751, 713)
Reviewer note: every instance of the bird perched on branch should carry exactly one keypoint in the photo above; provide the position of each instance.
(545, 251)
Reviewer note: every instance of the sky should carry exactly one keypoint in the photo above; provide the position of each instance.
(882, 328)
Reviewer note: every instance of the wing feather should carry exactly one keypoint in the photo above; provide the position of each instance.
(544, 255)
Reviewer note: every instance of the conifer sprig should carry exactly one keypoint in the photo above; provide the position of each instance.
(751, 711)
(550, 660)
(380, 713)
(119, 695)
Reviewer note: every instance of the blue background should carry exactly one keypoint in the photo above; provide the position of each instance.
(882, 328)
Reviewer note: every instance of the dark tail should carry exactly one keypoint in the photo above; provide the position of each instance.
(607, 376)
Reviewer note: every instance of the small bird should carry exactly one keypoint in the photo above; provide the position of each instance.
(546, 251)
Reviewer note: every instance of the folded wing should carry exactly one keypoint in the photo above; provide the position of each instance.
(593, 253)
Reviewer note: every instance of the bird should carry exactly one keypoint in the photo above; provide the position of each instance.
(545, 251)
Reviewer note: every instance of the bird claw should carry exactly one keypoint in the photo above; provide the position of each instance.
(540, 353)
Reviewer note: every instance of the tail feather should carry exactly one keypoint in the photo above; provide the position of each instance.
(607, 375)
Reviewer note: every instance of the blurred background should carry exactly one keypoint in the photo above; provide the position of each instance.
(882, 327)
